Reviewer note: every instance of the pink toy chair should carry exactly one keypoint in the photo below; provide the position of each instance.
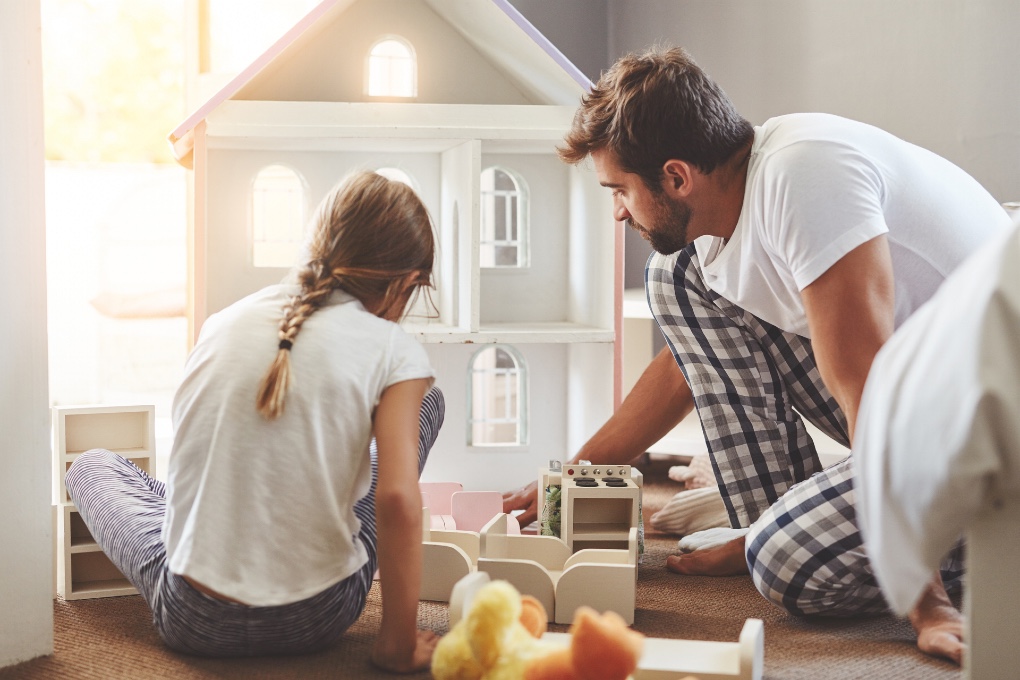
(436, 496)
(472, 510)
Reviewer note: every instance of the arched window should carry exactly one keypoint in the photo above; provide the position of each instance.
(504, 219)
(497, 392)
(392, 69)
(277, 216)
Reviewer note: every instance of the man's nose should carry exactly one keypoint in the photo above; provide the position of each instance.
(620, 212)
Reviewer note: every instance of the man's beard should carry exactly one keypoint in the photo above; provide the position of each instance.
(668, 232)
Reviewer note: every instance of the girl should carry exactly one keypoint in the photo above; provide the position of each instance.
(302, 423)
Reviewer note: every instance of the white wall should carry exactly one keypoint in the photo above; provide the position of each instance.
(26, 576)
(578, 28)
(943, 74)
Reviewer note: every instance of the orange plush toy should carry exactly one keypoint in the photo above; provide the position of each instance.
(602, 647)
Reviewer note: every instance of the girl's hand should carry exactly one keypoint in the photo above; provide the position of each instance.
(392, 659)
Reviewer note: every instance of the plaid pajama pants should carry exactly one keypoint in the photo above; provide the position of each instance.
(752, 383)
(124, 509)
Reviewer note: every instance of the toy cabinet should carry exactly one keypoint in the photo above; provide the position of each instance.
(467, 108)
(82, 569)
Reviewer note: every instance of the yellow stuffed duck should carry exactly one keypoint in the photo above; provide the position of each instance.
(498, 639)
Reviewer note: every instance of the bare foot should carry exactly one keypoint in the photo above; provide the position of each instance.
(725, 560)
(697, 474)
(939, 625)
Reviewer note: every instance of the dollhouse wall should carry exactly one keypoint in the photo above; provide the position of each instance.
(330, 64)
(561, 380)
(538, 292)
(232, 274)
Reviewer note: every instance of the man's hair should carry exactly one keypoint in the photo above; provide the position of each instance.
(652, 107)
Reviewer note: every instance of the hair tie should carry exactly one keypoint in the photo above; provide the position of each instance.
(286, 344)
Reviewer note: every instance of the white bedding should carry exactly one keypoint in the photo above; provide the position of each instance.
(938, 431)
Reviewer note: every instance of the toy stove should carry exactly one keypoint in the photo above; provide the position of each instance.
(589, 477)
(598, 504)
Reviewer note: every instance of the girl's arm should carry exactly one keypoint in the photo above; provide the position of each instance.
(400, 647)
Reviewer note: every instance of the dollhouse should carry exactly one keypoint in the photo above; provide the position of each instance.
(465, 101)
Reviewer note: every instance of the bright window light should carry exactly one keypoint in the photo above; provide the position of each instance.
(497, 394)
(392, 69)
(277, 217)
(504, 219)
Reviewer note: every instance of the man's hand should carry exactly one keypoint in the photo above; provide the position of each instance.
(395, 660)
(524, 498)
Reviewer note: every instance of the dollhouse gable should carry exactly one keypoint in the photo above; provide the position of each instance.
(465, 52)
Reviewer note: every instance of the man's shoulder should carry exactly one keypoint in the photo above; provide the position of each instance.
(795, 135)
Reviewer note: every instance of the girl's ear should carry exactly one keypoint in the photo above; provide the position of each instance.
(414, 279)
(407, 284)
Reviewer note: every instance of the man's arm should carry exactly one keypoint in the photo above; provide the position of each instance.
(658, 401)
(850, 311)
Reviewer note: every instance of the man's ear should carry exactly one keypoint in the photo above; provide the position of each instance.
(676, 177)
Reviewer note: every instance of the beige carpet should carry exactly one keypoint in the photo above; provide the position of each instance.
(113, 638)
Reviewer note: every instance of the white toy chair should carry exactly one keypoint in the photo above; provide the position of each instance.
(544, 567)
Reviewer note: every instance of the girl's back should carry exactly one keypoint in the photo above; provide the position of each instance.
(261, 510)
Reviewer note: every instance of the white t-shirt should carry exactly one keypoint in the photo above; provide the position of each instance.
(938, 435)
(817, 187)
(262, 511)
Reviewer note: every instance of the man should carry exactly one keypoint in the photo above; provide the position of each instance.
(786, 255)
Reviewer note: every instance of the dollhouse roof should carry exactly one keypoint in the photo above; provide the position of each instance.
(495, 29)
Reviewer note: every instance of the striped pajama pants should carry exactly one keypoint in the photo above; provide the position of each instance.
(752, 383)
(124, 509)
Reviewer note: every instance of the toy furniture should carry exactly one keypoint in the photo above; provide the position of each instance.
(466, 102)
(667, 659)
(447, 556)
(662, 659)
(83, 570)
(472, 510)
(562, 580)
(599, 504)
(541, 566)
(450, 507)
(438, 498)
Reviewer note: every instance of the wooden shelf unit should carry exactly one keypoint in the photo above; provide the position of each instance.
(129, 431)
(82, 568)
